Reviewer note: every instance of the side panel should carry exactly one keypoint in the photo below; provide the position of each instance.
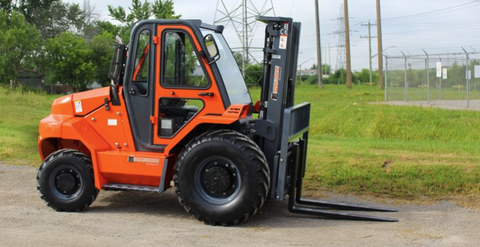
(113, 126)
(106, 134)
(138, 168)
(79, 129)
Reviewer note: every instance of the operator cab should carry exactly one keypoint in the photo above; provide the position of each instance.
(176, 70)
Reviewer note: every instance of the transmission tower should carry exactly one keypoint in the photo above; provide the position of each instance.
(242, 17)
(341, 52)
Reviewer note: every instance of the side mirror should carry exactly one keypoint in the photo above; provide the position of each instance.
(212, 48)
(116, 70)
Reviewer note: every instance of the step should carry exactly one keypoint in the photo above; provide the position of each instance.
(131, 187)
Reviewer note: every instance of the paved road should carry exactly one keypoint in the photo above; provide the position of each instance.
(146, 219)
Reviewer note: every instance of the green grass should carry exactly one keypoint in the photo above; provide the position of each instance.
(354, 147)
(20, 114)
(405, 152)
(448, 93)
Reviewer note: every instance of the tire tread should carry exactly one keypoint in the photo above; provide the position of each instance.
(251, 151)
(71, 153)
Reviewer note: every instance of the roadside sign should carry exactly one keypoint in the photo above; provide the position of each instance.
(476, 69)
(439, 69)
(445, 73)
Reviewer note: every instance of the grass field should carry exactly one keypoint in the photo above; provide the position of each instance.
(354, 147)
(20, 114)
(402, 152)
(459, 92)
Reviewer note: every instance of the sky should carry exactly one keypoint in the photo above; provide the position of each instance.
(437, 26)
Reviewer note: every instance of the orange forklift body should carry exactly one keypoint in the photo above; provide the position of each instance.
(81, 121)
(106, 136)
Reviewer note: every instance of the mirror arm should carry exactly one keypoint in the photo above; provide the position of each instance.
(216, 58)
(204, 54)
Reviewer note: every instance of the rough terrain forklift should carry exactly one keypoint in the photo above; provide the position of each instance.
(178, 109)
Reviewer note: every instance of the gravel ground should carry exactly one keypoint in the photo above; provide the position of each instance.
(148, 219)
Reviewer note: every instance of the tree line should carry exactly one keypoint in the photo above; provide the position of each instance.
(70, 44)
(66, 42)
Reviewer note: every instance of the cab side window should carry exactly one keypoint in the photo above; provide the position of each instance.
(142, 57)
(181, 65)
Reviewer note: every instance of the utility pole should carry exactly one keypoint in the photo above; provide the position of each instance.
(319, 51)
(380, 49)
(467, 78)
(427, 70)
(329, 58)
(405, 86)
(347, 41)
(369, 47)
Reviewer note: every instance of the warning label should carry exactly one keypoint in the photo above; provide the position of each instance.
(283, 42)
(78, 106)
(112, 122)
(276, 79)
(283, 36)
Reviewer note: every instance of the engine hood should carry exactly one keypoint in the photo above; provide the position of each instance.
(85, 102)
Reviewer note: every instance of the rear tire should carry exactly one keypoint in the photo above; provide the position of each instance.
(65, 181)
(222, 177)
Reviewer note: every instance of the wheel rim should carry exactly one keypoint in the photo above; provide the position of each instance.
(218, 180)
(66, 182)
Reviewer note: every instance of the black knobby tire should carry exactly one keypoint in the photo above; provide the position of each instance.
(222, 177)
(65, 181)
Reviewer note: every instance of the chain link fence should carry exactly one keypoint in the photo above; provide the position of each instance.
(437, 79)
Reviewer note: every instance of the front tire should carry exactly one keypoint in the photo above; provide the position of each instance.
(221, 177)
(65, 181)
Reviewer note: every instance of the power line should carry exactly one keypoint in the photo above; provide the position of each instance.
(438, 11)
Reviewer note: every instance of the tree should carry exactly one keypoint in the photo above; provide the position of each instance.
(238, 58)
(19, 42)
(7, 6)
(160, 9)
(326, 68)
(101, 47)
(363, 76)
(164, 10)
(67, 59)
(254, 74)
(52, 17)
(88, 26)
(105, 26)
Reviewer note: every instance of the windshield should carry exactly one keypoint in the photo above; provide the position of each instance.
(232, 78)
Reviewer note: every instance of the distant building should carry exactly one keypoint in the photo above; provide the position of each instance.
(58, 88)
(30, 79)
(307, 72)
(94, 85)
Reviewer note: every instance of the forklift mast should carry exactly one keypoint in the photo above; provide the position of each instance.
(277, 95)
(283, 126)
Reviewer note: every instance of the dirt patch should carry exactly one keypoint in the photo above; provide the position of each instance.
(148, 219)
